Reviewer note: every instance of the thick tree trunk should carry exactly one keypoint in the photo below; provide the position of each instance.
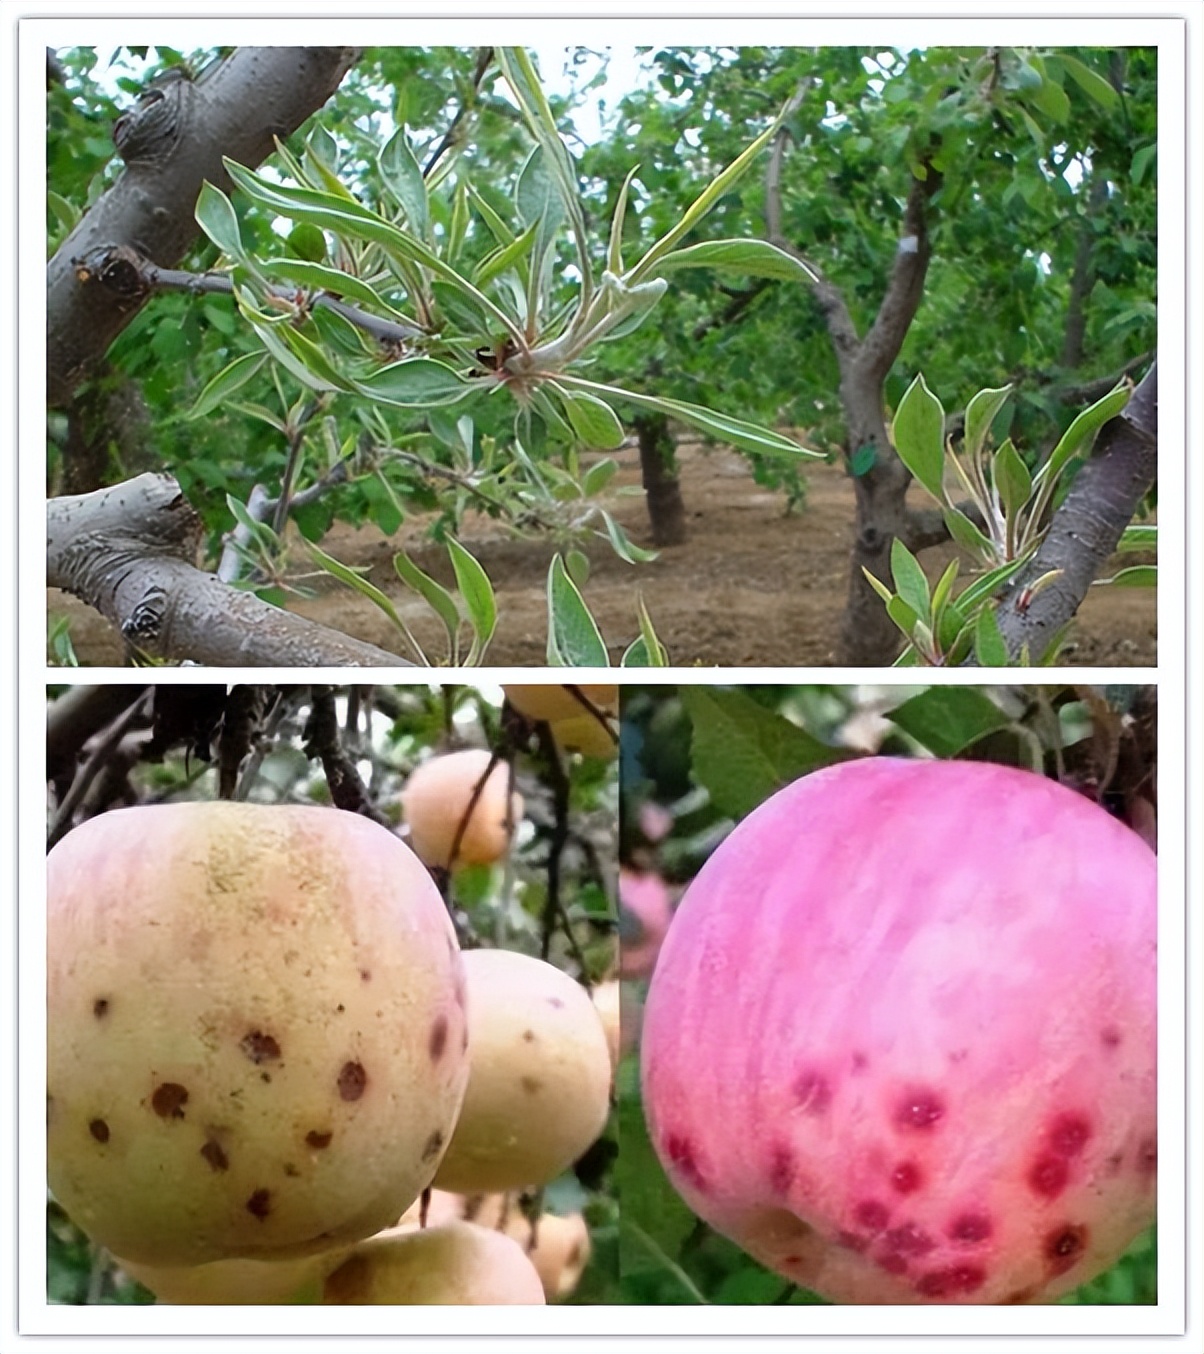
(172, 141)
(130, 552)
(1086, 528)
(662, 488)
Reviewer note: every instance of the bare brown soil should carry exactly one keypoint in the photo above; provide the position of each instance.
(751, 587)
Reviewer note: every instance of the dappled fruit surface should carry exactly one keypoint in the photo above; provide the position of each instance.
(539, 1084)
(900, 1040)
(454, 1264)
(256, 1030)
(438, 798)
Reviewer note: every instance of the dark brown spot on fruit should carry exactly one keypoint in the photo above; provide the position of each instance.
(1048, 1175)
(872, 1215)
(681, 1153)
(1110, 1037)
(259, 1205)
(1064, 1248)
(352, 1080)
(340, 1008)
(892, 1262)
(317, 1140)
(781, 1168)
(852, 1241)
(433, 1144)
(1068, 1134)
(215, 1155)
(811, 1091)
(265, 1076)
(365, 975)
(970, 1228)
(290, 1170)
(100, 1007)
(99, 1130)
(906, 1178)
(908, 1240)
(528, 1036)
(575, 1254)
(260, 1047)
(169, 1100)
(438, 1040)
(1019, 1295)
(1147, 1157)
(919, 1109)
(530, 1084)
(940, 1283)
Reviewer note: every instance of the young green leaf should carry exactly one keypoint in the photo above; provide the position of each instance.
(980, 414)
(599, 475)
(1136, 576)
(479, 600)
(403, 178)
(354, 579)
(989, 647)
(910, 580)
(416, 383)
(750, 258)
(1093, 85)
(215, 216)
(918, 433)
(967, 535)
(1140, 537)
(434, 594)
(593, 420)
(614, 248)
(231, 378)
(1082, 431)
(321, 277)
(624, 548)
(573, 636)
(1012, 479)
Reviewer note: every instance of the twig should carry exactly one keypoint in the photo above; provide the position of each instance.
(105, 745)
(240, 719)
(484, 57)
(322, 740)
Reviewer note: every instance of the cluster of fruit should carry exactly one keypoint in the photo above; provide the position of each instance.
(275, 1076)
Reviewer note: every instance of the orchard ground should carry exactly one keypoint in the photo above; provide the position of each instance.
(751, 586)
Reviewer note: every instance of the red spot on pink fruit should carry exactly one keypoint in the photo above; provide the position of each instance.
(943, 1283)
(892, 1262)
(970, 1227)
(919, 1109)
(909, 1240)
(906, 1178)
(872, 1215)
(1064, 1248)
(812, 1092)
(851, 1241)
(1048, 1175)
(681, 1153)
(781, 1168)
(1147, 1157)
(1068, 1134)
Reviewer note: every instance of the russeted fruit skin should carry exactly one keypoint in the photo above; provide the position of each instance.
(256, 1030)
(539, 1083)
(435, 802)
(900, 1040)
(455, 1264)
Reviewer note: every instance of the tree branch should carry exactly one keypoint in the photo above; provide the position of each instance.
(172, 140)
(1087, 527)
(129, 551)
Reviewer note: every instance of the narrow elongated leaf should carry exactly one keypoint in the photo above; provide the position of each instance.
(417, 382)
(354, 579)
(721, 184)
(506, 256)
(980, 414)
(321, 277)
(1094, 86)
(436, 596)
(403, 177)
(910, 580)
(256, 529)
(986, 585)
(614, 248)
(751, 258)
(498, 227)
(967, 535)
(599, 475)
(593, 420)
(215, 216)
(989, 646)
(1138, 538)
(225, 383)
(573, 636)
(723, 427)
(1012, 479)
(624, 548)
(281, 351)
(1082, 431)
(1136, 576)
(316, 360)
(479, 600)
(918, 433)
(647, 651)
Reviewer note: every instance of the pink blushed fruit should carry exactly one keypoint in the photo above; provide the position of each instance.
(900, 1040)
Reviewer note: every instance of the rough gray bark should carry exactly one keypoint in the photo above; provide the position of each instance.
(172, 141)
(1087, 527)
(130, 552)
